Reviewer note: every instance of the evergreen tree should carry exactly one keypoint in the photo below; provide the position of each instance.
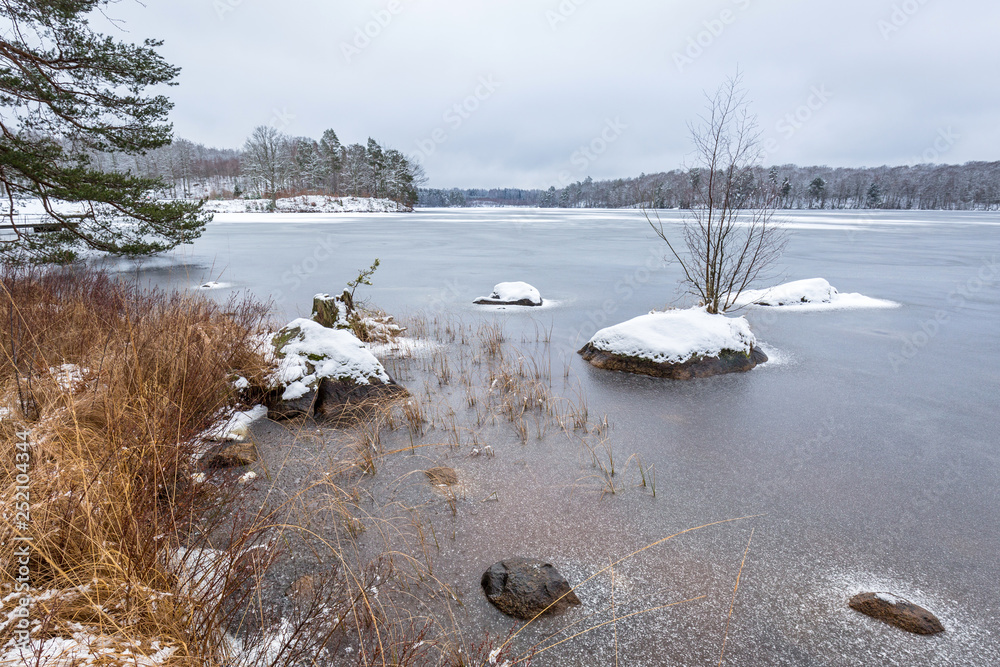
(817, 192)
(68, 93)
(874, 197)
(376, 175)
(332, 161)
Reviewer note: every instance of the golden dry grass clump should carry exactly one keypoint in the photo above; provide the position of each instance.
(109, 384)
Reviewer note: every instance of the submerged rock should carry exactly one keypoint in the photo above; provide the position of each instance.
(897, 611)
(511, 294)
(525, 588)
(346, 399)
(279, 408)
(233, 455)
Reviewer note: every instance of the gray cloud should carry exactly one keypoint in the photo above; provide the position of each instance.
(898, 74)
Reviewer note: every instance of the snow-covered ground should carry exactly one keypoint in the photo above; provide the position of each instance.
(306, 204)
(811, 294)
(675, 336)
(512, 292)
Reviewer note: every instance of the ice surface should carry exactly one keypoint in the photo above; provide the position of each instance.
(675, 336)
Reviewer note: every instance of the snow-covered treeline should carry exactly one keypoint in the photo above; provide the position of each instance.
(972, 186)
(273, 165)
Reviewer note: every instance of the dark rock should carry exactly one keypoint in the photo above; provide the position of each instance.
(231, 455)
(525, 588)
(486, 301)
(698, 367)
(896, 611)
(278, 408)
(334, 400)
(333, 312)
(344, 399)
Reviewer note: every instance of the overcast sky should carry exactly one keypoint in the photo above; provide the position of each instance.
(847, 83)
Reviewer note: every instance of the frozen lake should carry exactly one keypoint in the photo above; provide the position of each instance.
(869, 444)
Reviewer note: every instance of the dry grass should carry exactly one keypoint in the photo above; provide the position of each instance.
(113, 384)
(131, 554)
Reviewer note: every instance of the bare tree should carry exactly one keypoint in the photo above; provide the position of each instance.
(731, 236)
(265, 160)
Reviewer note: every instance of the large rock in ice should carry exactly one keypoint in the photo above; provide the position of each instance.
(325, 372)
(511, 294)
(525, 588)
(896, 611)
(676, 344)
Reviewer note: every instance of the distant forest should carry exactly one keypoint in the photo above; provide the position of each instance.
(271, 164)
(972, 186)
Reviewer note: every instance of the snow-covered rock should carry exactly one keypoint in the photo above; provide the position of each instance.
(813, 290)
(512, 294)
(679, 344)
(323, 371)
(309, 352)
(810, 294)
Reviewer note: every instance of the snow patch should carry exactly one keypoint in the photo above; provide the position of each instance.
(313, 352)
(306, 204)
(237, 426)
(676, 336)
(505, 293)
(69, 377)
(775, 357)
